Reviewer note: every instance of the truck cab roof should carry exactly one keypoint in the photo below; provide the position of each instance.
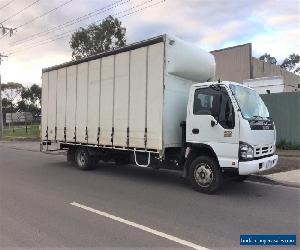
(226, 83)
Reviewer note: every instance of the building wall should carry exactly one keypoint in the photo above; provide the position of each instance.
(234, 63)
(262, 69)
(284, 108)
(237, 64)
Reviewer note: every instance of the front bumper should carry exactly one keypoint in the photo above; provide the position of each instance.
(255, 166)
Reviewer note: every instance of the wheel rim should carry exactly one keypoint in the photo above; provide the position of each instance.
(82, 158)
(203, 175)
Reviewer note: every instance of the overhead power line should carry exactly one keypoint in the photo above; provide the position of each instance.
(20, 11)
(99, 20)
(71, 22)
(118, 15)
(5, 5)
(4, 35)
(44, 14)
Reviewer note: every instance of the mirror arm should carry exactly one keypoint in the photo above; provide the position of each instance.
(213, 123)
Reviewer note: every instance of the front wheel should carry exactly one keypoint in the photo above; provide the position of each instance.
(205, 175)
(84, 160)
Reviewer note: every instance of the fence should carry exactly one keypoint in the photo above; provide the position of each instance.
(29, 131)
(284, 109)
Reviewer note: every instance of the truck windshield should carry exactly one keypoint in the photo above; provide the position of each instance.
(250, 103)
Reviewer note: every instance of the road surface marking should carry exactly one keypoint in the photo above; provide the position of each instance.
(141, 227)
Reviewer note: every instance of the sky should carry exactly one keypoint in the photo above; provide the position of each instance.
(272, 26)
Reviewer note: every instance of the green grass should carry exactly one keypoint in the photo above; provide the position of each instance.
(287, 145)
(19, 132)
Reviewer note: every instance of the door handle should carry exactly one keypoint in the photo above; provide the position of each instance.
(195, 131)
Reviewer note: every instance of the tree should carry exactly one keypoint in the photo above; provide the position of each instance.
(31, 100)
(291, 63)
(34, 110)
(6, 105)
(268, 58)
(12, 92)
(32, 94)
(35, 94)
(22, 106)
(98, 38)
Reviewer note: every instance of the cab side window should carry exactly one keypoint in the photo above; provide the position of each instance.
(226, 117)
(215, 102)
(203, 101)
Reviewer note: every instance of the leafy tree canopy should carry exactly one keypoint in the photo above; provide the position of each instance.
(11, 91)
(95, 39)
(5, 103)
(268, 58)
(16, 98)
(32, 94)
(22, 106)
(291, 63)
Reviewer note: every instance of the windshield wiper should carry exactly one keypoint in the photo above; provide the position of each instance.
(257, 117)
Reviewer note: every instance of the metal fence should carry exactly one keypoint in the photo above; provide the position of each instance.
(285, 110)
(30, 131)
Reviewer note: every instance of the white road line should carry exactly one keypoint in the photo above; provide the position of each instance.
(141, 227)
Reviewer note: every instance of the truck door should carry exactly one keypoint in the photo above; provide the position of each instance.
(212, 120)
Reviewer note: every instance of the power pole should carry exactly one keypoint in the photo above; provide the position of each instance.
(7, 30)
(1, 114)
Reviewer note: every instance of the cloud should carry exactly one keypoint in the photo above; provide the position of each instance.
(279, 44)
(283, 20)
(271, 25)
(224, 33)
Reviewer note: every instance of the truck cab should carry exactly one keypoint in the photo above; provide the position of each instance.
(228, 131)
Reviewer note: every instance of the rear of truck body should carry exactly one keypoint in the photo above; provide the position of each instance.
(132, 98)
(136, 104)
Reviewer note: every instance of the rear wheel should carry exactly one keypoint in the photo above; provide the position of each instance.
(205, 175)
(84, 160)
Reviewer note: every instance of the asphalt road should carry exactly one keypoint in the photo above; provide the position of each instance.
(36, 192)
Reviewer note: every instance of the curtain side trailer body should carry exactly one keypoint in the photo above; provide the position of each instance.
(134, 98)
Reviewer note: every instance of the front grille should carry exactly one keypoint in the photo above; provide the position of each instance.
(263, 150)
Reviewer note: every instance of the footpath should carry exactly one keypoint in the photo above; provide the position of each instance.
(286, 172)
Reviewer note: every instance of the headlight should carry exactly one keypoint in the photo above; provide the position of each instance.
(246, 151)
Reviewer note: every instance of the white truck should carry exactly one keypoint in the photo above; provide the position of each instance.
(154, 104)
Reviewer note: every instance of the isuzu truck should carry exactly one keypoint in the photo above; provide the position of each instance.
(155, 104)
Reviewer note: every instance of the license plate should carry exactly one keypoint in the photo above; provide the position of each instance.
(269, 163)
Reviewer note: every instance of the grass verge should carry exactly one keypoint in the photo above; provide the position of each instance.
(20, 132)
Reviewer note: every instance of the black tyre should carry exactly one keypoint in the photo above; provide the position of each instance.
(241, 178)
(205, 175)
(84, 160)
(71, 155)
